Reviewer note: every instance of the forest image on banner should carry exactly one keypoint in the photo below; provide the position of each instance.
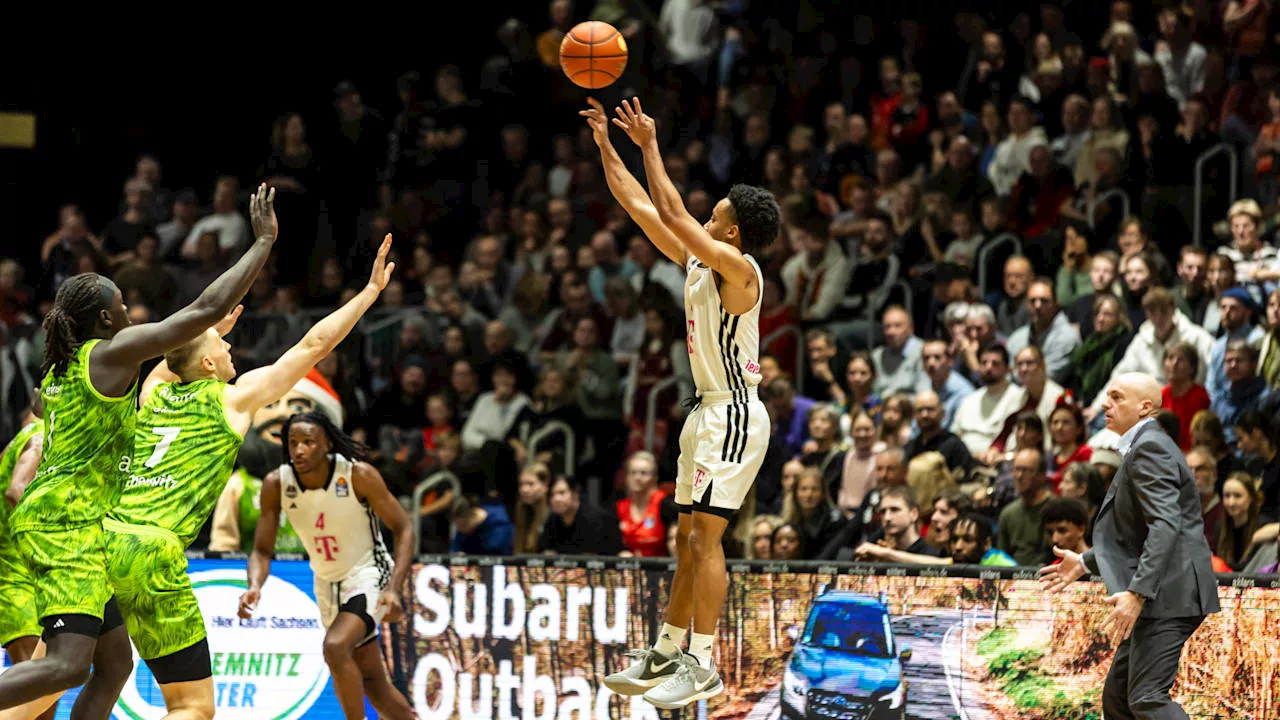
(533, 642)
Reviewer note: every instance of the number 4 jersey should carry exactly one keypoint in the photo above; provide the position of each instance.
(340, 530)
(183, 452)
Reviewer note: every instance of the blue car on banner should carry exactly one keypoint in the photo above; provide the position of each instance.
(846, 664)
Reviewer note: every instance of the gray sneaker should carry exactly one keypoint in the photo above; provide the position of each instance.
(690, 683)
(649, 669)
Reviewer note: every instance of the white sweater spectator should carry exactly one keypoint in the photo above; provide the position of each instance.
(898, 364)
(1146, 352)
(1013, 157)
(690, 30)
(1183, 69)
(981, 415)
(492, 419)
(231, 227)
(815, 285)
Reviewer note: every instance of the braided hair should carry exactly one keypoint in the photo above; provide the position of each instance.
(72, 320)
(339, 442)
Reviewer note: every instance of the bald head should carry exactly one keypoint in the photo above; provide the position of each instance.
(1131, 398)
(927, 410)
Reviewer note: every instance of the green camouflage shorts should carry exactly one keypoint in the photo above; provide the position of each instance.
(147, 568)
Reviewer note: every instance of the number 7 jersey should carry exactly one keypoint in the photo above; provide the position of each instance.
(183, 453)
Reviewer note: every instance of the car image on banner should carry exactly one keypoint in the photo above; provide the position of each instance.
(267, 667)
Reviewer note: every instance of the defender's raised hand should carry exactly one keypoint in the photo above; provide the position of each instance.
(262, 213)
(597, 121)
(228, 322)
(639, 127)
(381, 274)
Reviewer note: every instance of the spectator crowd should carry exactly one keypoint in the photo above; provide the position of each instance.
(988, 215)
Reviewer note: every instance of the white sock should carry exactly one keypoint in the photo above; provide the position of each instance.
(670, 639)
(700, 648)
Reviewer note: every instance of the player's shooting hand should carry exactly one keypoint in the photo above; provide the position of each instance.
(248, 603)
(1056, 577)
(639, 127)
(262, 213)
(381, 274)
(389, 601)
(1126, 608)
(598, 122)
(225, 325)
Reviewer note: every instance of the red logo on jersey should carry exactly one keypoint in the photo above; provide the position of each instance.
(752, 367)
(689, 337)
(699, 479)
(328, 546)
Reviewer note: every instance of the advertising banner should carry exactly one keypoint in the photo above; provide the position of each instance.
(268, 668)
(534, 640)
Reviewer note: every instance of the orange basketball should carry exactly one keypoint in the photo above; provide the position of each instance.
(593, 54)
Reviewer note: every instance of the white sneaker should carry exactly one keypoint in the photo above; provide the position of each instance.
(649, 669)
(690, 683)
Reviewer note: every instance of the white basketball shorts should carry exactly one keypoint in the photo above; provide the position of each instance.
(722, 447)
(357, 594)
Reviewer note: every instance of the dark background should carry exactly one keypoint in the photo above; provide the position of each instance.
(204, 105)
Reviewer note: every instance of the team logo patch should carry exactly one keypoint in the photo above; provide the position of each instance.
(340, 488)
(700, 478)
(752, 367)
(291, 490)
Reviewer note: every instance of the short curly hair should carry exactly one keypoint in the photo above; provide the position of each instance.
(758, 216)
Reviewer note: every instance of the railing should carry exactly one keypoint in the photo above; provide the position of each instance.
(1103, 197)
(371, 327)
(985, 252)
(570, 443)
(1233, 163)
(432, 481)
(800, 355)
(651, 411)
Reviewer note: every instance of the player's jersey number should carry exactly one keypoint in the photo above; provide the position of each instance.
(167, 436)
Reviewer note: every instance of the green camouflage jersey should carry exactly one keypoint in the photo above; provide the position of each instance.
(183, 452)
(8, 460)
(287, 540)
(88, 439)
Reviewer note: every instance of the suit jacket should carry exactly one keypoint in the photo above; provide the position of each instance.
(1148, 536)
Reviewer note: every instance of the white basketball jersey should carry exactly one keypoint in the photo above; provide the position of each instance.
(340, 531)
(724, 349)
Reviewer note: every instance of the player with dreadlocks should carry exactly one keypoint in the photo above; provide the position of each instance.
(334, 499)
(90, 390)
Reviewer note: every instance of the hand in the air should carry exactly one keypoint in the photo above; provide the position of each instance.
(225, 325)
(639, 127)
(597, 121)
(262, 213)
(381, 274)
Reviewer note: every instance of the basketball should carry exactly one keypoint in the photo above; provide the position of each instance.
(593, 55)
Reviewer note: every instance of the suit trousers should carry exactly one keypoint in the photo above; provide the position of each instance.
(1144, 668)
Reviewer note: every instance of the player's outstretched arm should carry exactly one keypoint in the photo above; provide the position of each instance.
(371, 488)
(725, 259)
(24, 470)
(161, 372)
(121, 355)
(264, 543)
(628, 191)
(265, 385)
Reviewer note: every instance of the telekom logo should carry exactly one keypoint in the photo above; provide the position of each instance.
(689, 337)
(328, 546)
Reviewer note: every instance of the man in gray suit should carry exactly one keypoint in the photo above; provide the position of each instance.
(1149, 548)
